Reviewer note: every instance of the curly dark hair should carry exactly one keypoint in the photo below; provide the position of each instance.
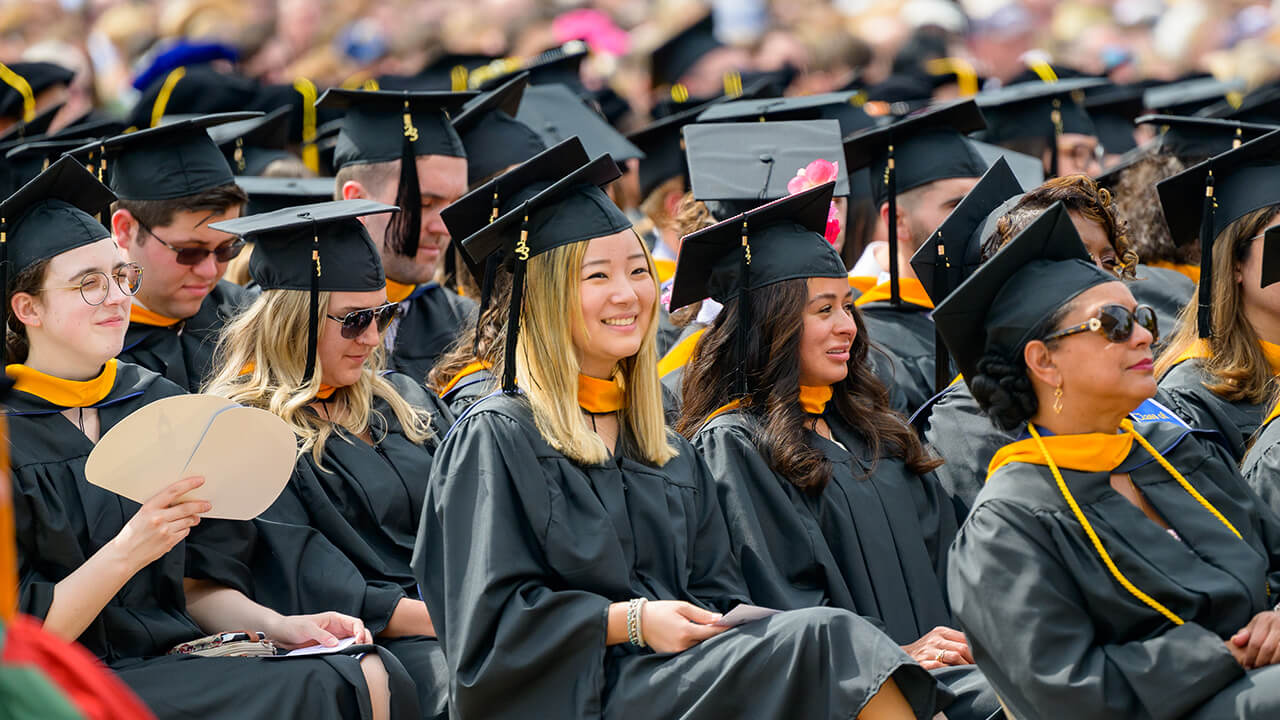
(1002, 387)
(773, 369)
(1139, 204)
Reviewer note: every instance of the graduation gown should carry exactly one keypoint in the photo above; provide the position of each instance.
(1261, 465)
(876, 546)
(183, 353)
(1183, 390)
(956, 430)
(429, 321)
(523, 613)
(61, 520)
(1082, 641)
(366, 500)
(906, 336)
(467, 389)
(1165, 291)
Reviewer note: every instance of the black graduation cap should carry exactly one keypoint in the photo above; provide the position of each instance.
(737, 86)
(91, 125)
(1027, 169)
(1012, 294)
(1038, 109)
(48, 216)
(379, 123)
(251, 145)
(174, 160)
(919, 149)
(753, 162)
(780, 241)
(557, 66)
(1260, 106)
(844, 107)
(1113, 113)
(670, 61)
(954, 250)
(1200, 138)
(29, 159)
(451, 71)
(267, 194)
(34, 127)
(1187, 97)
(493, 138)
(555, 112)
(662, 143)
(192, 90)
(326, 144)
(542, 216)
(904, 91)
(1204, 199)
(23, 82)
(1041, 71)
(313, 248)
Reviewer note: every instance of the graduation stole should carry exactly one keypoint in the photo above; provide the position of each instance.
(324, 393)
(1191, 271)
(398, 292)
(471, 369)
(678, 356)
(1076, 455)
(143, 316)
(863, 283)
(909, 289)
(598, 396)
(814, 399)
(60, 392)
(1200, 350)
(666, 268)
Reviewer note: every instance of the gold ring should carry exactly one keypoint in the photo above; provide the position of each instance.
(941, 654)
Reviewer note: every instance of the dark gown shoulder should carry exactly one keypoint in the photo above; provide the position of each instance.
(429, 322)
(906, 335)
(1183, 390)
(1165, 291)
(956, 430)
(184, 352)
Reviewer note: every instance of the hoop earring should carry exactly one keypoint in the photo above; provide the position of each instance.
(1057, 400)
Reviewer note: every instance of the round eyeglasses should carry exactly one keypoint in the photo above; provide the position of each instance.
(95, 286)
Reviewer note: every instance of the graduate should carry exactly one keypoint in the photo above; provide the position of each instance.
(781, 402)
(1120, 570)
(1046, 120)
(606, 559)
(921, 167)
(400, 148)
(172, 183)
(96, 567)
(1221, 363)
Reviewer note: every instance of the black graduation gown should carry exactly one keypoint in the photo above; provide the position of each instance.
(1261, 466)
(1165, 291)
(906, 335)
(367, 500)
(1182, 390)
(429, 321)
(521, 551)
(956, 430)
(1052, 628)
(875, 546)
(183, 353)
(61, 520)
(468, 390)
(668, 334)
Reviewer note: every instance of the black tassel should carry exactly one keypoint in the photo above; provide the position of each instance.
(406, 226)
(1055, 118)
(891, 182)
(314, 321)
(941, 289)
(4, 283)
(513, 313)
(1204, 311)
(744, 310)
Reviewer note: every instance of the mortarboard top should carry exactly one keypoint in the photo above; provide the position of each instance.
(1027, 169)
(662, 143)
(17, 96)
(1189, 96)
(557, 66)
(313, 248)
(493, 138)
(1204, 199)
(375, 130)
(451, 71)
(251, 145)
(24, 162)
(1009, 296)
(1040, 71)
(844, 107)
(1260, 106)
(542, 216)
(193, 90)
(737, 86)
(1113, 112)
(1201, 138)
(786, 241)
(175, 160)
(672, 59)
(267, 194)
(753, 162)
(37, 125)
(908, 89)
(1027, 109)
(555, 113)
(89, 126)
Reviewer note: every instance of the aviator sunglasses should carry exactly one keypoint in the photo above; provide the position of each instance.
(226, 252)
(1115, 323)
(355, 322)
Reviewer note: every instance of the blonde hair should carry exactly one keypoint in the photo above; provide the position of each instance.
(1237, 368)
(548, 374)
(269, 338)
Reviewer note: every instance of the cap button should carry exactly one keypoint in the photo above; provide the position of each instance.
(766, 157)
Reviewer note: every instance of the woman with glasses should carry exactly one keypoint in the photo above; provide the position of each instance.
(310, 350)
(1108, 569)
(1221, 363)
(98, 568)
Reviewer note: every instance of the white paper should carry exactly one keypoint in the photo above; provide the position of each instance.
(744, 614)
(320, 649)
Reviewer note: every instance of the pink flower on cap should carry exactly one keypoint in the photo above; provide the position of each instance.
(812, 175)
(593, 26)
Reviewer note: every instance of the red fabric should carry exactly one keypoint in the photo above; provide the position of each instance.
(87, 683)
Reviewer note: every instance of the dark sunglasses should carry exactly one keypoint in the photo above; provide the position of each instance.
(226, 252)
(1115, 323)
(355, 322)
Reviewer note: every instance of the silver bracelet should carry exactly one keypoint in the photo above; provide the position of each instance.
(634, 632)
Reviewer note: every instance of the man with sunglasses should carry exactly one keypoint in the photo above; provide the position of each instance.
(173, 183)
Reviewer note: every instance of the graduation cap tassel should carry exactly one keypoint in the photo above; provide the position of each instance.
(942, 288)
(891, 182)
(407, 224)
(313, 323)
(4, 283)
(744, 310)
(1055, 118)
(1204, 311)
(513, 313)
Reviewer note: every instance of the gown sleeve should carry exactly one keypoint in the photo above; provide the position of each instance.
(515, 636)
(1005, 574)
(716, 577)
